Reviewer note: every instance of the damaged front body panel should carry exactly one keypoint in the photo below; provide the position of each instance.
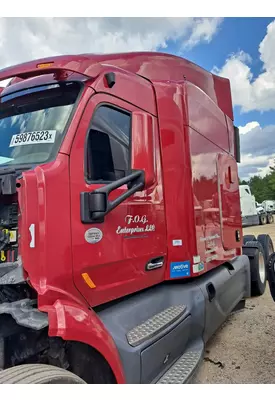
(9, 255)
(18, 299)
(20, 319)
(32, 279)
(25, 313)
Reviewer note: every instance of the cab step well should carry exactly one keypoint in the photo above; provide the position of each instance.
(154, 325)
(183, 370)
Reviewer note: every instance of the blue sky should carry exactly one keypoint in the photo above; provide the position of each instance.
(236, 34)
(241, 49)
(232, 37)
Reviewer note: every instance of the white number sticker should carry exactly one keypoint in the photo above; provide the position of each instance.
(36, 137)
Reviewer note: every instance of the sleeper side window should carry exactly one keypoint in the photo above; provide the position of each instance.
(108, 147)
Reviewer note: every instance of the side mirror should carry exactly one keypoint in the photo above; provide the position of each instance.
(96, 205)
(143, 144)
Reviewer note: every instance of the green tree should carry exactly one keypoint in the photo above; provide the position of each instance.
(263, 188)
(242, 182)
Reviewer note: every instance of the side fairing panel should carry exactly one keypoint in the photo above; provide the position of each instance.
(231, 220)
(176, 170)
(206, 199)
(214, 180)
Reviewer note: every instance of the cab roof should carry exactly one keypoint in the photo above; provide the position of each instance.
(153, 66)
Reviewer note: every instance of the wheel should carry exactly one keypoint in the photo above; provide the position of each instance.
(255, 252)
(38, 374)
(271, 274)
(249, 238)
(270, 219)
(267, 244)
(263, 219)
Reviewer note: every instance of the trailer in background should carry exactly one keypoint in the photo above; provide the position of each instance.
(252, 212)
(268, 206)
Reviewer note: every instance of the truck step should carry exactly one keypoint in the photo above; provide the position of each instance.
(183, 370)
(154, 325)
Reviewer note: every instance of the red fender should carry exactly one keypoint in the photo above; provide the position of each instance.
(70, 321)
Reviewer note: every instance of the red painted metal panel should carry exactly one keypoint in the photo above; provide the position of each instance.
(117, 263)
(152, 66)
(206, 118)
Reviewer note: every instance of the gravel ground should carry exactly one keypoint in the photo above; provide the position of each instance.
(243, 349)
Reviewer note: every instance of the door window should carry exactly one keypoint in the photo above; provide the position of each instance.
(108, 145)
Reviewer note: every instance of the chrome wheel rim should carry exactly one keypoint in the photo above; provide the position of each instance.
(262, 271)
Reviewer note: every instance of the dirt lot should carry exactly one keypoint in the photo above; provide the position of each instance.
(243, 350)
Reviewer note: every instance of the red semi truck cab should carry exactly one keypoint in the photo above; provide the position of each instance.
(120, 226)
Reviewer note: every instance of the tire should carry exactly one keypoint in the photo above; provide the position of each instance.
(262, 219)
(249, 238)
(270, 219)
(271, 274)
(267, 244)
(38, 374)
(255, 252)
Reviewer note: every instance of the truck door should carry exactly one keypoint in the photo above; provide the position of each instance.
(126, 251)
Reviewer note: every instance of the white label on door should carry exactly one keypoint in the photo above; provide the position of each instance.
(196, 259)
(177, 242)
(93, 235)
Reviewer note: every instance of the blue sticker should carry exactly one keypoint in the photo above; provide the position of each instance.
(179, 269)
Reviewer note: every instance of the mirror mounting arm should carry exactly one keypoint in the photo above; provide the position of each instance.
(96, 205)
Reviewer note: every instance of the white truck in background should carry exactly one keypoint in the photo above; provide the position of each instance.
(254, 213)
(269, 206)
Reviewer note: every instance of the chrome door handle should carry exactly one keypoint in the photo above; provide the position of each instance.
(154, 264)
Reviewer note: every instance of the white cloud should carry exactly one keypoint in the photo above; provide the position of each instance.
(255, 165)
(266, 170)
(248, 127)
(23, 39)
(203, 30)
(249, 92)
(257, 148)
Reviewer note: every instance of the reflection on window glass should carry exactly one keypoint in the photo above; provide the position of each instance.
(32, 123)
(109, 145)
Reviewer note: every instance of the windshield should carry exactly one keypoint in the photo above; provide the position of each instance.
(33, 123)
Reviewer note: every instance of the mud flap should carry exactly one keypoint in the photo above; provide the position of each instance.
(240, 306)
